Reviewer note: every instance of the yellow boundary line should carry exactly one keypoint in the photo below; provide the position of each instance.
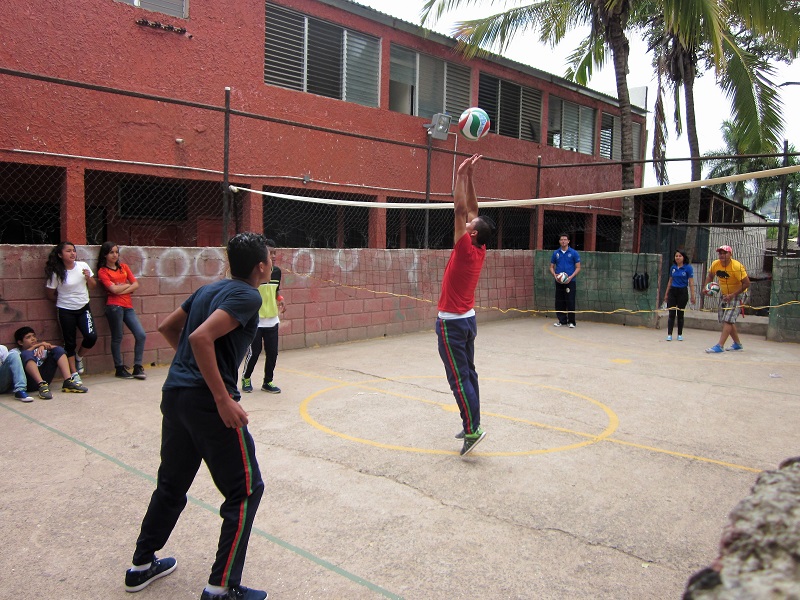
(613, 423)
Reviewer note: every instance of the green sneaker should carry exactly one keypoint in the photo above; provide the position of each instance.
(471, 440)
(247, 386)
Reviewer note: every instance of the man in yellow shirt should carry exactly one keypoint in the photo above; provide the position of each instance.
(733, 283)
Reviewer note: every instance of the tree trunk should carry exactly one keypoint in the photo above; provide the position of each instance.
(694, 151)
(620, 49)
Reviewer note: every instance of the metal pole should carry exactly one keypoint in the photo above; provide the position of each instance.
(659, 244)
(428, 185)
(226, 190)
(783, 233)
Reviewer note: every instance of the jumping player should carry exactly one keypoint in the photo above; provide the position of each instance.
(203, 421)
(456, 326)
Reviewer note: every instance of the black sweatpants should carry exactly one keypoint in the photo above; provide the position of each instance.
(268, 338)
(565, 302)
(191, 431)
(72, 320)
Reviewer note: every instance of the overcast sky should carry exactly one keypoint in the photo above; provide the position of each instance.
(712, 106)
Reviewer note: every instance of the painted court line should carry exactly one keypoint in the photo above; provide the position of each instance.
(592, 438)
(212, 509)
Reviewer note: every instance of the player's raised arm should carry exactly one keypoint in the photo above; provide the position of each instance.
(464, 198)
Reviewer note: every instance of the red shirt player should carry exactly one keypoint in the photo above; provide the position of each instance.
(456, 326)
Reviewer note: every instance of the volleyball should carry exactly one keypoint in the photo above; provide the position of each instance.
(474, 123)
(562, 277)
(712, 289)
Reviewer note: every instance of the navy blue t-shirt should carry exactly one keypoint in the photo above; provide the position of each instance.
(239, 300)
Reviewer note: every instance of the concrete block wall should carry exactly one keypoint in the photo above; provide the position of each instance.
(605, 284)
(784, 317)
(332, 296)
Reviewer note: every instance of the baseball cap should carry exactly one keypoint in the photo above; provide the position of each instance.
(725, 249)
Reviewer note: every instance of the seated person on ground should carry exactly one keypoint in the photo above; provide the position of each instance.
(41, 361)
(12, 375)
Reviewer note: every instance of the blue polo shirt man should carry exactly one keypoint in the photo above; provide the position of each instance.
(565, 260)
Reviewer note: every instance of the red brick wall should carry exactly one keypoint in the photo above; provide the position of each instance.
(332, 296)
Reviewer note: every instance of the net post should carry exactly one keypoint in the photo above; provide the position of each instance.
(226, 190)
(783, 234)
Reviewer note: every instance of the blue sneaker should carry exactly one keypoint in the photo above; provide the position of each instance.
(734, 347)
(22, 396)
(237, 592)
(247, 385)
(669, 338)
(138, 580)
(680, 338)
(716, 349)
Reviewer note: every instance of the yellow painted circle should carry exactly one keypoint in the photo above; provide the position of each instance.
(613, 420)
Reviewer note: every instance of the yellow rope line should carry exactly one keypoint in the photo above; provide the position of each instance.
(626, 311)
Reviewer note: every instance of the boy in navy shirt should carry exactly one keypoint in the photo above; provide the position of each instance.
(203, 421)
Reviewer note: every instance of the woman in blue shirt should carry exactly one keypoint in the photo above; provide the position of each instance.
(679, 286)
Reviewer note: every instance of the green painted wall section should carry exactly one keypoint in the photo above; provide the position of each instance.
(605, 287)
(784, 316)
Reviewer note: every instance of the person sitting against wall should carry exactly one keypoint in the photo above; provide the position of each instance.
(41, 360)
(12, 375)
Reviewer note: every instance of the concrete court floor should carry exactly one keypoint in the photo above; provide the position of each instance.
(611, 463)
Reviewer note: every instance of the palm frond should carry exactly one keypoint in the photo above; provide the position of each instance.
(754, 98)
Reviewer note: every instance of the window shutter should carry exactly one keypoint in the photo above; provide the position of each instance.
(175, 8)
(362, 65)
(510, 100)
(637, 141)
(431, 86)
(531, 115)
(403, 65)
(284, 48)
(586, 130)
(570, 125)
(325, 58)
(606, 135)
(488, 100)
(456, 89)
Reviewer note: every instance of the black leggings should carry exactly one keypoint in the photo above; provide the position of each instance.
(677, 297)
(73, 320)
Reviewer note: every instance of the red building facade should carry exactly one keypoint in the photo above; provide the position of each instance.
(327, 98)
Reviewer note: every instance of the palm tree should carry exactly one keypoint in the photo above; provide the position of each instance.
(606, 20)
(755, 193)
(735, 44)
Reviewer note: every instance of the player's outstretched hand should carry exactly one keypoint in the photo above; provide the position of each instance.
(467, 166)
(232, 413)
